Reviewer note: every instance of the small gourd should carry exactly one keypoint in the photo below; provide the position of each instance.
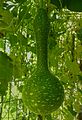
(43, 92)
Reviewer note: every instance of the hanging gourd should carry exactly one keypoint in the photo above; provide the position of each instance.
(43, 92)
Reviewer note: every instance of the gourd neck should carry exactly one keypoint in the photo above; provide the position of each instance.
(41, 48)
(41, 30)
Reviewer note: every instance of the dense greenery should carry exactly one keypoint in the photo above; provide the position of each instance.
(18, 51)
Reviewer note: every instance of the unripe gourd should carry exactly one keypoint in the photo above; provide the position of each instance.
(43, 93)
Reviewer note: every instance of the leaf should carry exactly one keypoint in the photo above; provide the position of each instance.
(68, 115)
(70, 108)
(54, 54)
(20, 88)
(73, 67)
(13, 39)
(24, 13)
(13, 109)
(56, 3)
(6, 20)
(77, 105)
(1, 44)
(3, 87)
(22, 40)
(8, 6)
(79, 34)
(80, 90)
(80, 78)
(17, 66)
(65, 78)
(79, 51)
(6, 67)
(6, 16)
(14, 11)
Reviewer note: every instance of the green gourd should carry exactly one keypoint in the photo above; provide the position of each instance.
(43, 92)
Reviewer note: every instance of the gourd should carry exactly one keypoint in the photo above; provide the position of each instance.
(43, 93)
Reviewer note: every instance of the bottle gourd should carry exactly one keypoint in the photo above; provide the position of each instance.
(43, 92)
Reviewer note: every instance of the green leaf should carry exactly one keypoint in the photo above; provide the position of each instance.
(54, 53)
(22, 40)
(73, 67)
(3, 87)
(6, 67)
(80, 90)
(13, 39)
(6, 16)
(5, 20)
(68, 115)
(24, 13)
(17, 67)
(79, 34)
(65, 78)
(80, 78)
(1, 44)
(70, 108)
(56, 3)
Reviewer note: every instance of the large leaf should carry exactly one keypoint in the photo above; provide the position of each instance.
(6, 20)
(6, 67)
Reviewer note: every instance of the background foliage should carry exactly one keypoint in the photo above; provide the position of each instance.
(64, 56)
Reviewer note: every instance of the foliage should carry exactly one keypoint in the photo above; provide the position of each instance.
(17, 40)
(72, 5)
